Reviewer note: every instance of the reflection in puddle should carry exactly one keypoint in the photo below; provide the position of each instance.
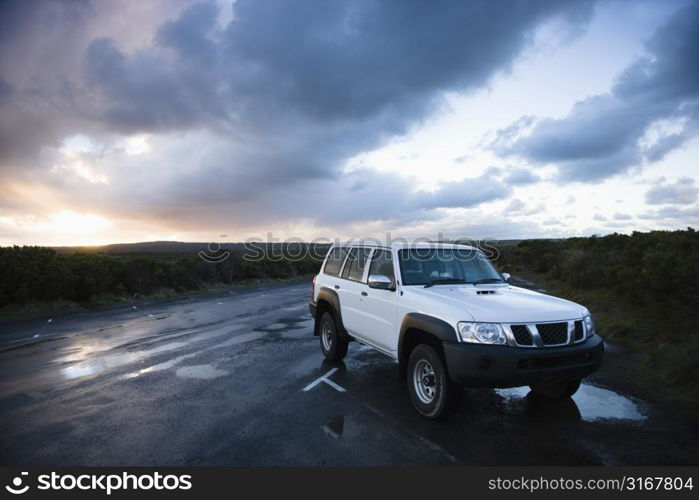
(159, 366)
(593, 403)
(204, 372)
(107, 361)
(104, 361)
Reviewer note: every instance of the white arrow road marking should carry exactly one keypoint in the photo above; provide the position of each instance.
(325, 379)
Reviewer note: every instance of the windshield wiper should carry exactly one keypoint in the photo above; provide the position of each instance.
(487, 280)
(445, 281)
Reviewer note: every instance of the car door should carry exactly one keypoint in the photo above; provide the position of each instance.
(377, 309)
(350, 289)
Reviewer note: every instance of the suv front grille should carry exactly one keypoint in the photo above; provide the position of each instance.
(579, 335)
(522, 335)
(553, 333)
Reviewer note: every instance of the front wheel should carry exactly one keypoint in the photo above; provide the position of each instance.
(556, 389)
(432, 393)
(333, 345)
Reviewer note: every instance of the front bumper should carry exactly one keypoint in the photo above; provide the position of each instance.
(312, 308)
(476, 365)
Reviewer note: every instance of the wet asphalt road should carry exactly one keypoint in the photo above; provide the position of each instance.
(219, 380)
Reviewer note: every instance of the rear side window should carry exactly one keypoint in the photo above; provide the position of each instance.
(354, 269)
(350, 258)
(382, 263)
(335, 258)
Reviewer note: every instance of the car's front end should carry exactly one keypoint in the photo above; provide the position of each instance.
(517, 354)
(504, 336)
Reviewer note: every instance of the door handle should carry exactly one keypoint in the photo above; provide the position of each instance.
(365, 294)
(337, 287)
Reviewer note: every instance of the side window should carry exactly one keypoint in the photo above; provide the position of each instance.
(382, 263)
(357, 265)
(350, 261)
(335, 259)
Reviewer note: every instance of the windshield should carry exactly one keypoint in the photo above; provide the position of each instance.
(425, 266)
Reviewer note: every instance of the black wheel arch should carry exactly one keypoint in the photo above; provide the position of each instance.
(328, 301)
(418, 328)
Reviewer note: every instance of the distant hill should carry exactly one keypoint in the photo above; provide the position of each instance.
(169, 247)
(148, 247)
(174, 247)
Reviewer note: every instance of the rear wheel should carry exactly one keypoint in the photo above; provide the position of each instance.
(432, 393)
(556, 389)
(333, 345)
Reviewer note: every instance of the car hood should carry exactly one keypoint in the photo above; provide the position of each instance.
(496, 304)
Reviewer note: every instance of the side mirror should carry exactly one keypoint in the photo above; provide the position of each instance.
(380, 282)
(506, 276)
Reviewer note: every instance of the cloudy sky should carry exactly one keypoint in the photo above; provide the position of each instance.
(134, 121)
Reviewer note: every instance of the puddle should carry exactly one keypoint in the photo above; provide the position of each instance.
(159, 366)
(107, 361)
(204, 372)
(239, 339)
(593, 403)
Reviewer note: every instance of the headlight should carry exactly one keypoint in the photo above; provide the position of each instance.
(482, 333)
(589, 326)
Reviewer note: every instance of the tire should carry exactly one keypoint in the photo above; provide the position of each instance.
(556, 389)
(432, 393)
(333, 345)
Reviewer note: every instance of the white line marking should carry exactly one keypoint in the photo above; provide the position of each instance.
(325, 379)
(333, 385)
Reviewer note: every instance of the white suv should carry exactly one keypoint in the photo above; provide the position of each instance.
(450, 320)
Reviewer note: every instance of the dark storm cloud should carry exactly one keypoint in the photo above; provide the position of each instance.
(603, 135)
(276, 100)
(154, 90)
(42, 58)
(325, 61)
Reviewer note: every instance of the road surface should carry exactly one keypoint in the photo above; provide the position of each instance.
(219, 380)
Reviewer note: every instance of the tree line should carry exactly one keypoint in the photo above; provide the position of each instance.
(40, 274)
(653, 269)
